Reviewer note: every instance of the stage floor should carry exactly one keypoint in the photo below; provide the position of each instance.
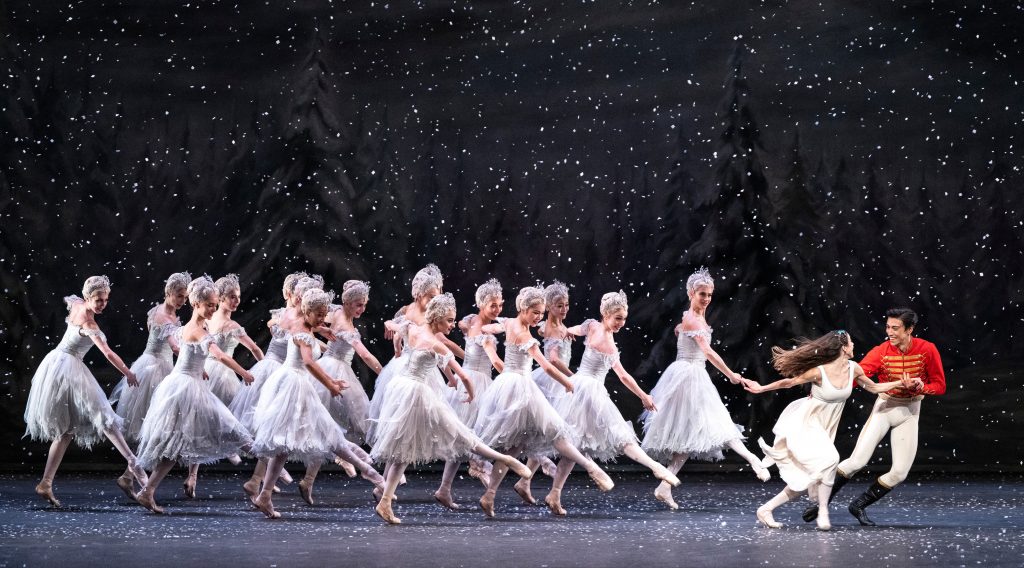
(929, 521)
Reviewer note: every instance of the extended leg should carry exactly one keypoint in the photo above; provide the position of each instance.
(764, 512)
(265, 502)
(554, 497)
(600, 478)
(147, 497)
(443, 495)
(522, 487)
(383, 509)
(755, 462)
(635, 453)
(252, 487)
(663, 492)
(53, 459)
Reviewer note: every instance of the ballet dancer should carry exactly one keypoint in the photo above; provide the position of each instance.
(65, 402)
(692, 421)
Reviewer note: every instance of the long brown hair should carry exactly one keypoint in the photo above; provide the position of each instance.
(809, 353)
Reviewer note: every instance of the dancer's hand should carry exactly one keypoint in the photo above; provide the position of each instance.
(648, 403)
(469, 398)
(327, 333)
(247, 377)
(751, 386)
(912, 383)
(569, 388)
(133, 381)
(334, 387)
(206, 376)
(737, 379)
(453, 381)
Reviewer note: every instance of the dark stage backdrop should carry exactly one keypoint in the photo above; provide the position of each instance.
(826, 160)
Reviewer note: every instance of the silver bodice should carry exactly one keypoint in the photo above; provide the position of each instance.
(277, 349)
(517, 357)
(192, 357)
(294, 357)
(476, 358)
(158, 344)
(342, 348)
(76, 344)
(228, 340)
(687, 348)
(596, 364)
(423, 363)
(564, 346)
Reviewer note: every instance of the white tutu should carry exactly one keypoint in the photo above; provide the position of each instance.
(552, 389)
(65, 397)
(223, 382)
(514, 413)
(351, 409)
(599, 430)
(243, 405)
(691, 417)
(380, 387)
(456, 397)
(416, 425)
(133, 402)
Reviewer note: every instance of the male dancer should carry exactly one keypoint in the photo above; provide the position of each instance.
(903, 355)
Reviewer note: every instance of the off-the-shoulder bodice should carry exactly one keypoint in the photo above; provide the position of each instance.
(596, 363)
(564, 347)
(687, 348)
(294, 357)
(228, 340)
(343, 347)
(277, 349)
(476, 358)
(517, 357)
(422, 363)
(77, 340)
(157, 343)
(192, 355)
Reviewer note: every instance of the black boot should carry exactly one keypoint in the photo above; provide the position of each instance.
(811, 513)
(857, 506)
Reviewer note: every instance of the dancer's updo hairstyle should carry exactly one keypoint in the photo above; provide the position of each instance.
(700, 278)
(428, 277)
(307, 283)
(528, 297)
(613, 302)
(177, 281)
(291, 280)
(355, 290)
(554, 292)
(227, 283)
(316, 298)
(201, 290)
(486, 291)
(95, 285)
(438, 307)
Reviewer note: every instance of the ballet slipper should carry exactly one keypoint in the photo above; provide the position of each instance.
(138, 473)
(285, 477)
(383, 510)
(518, 467)
(765, 517)
(554, 503)
(480, 471)
(373, 476)
(402, 480)
(148, 501)
(761, 472)
(275, 489)
(190, 487)
(445, 499)
(664, 475)
(350, 470)
(234, 459)
(306, 491)
(824, 524)
(378, 494)
(664, 494)
(487, 504)
(266, 506)
(522, 487)
(601, 479)
(45, 490)
(252, 487)
(547, 467)
(127, 485)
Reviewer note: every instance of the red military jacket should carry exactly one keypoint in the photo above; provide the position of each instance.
(887, 363)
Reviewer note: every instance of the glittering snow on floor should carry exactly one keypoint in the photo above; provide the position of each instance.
(931, 520)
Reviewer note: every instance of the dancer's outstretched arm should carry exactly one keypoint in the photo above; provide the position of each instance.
(808, 376)
(226, 359)
(367, 357)
(454, 367)
(333, 385)
(492, 354)
(451, 345)
(96, 336)
(630, 383)
(550, 369)
(249, 344)
(716, 359)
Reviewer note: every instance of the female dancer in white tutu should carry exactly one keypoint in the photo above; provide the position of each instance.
(692, 421)
(228, 334)
(292, 422)
(805, 433)
(65, 402)
(481, 355)
(151, 367)
(601, 432)
(557, 340)
(416, 425)
(186, 422)
(514, 413)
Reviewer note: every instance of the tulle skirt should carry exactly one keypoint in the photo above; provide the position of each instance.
(804, 447)
(65, 397)
(691, 416)
(243, 405)
(456, 397)
(133, 402)
(380, 387)
(223, 381)
(292, 420)
(514, 413)
(552, 389)
(188, 424)
(350, 410)
(416, 426)
(598, 428)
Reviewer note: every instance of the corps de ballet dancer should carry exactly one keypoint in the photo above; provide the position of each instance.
(600, 431)
(805, 433)
(691, 420)
(291, 422)
(895, 412)
(416, 425)
(65, 402)
(514, 414)
(155, 363)
(481, 356)
(186, 422)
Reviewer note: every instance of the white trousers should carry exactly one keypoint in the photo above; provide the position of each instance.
(901, 417)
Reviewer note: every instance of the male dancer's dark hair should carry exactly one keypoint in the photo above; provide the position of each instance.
(905, 315)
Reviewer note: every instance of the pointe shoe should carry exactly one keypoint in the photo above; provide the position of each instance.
(350, 470)
(548, 467)
(487, 504)
(275, 489)
(824, 524)
(148, 501)
(663, 474)
(45, 490)
(522, 487)
(190, 487)
(445, 499)
(519, 468)
(601, 479)
(554, 503)
(383, 510)
(373, 476)
(252, 487)
(762, 473)
(234, 459)
(266, 507)
(306, 491)
(402, 480)
(664, 494)
(126, 485)
(285, 477)
(481, 471)
(765, 517)
(138, 473)
(378, 494)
